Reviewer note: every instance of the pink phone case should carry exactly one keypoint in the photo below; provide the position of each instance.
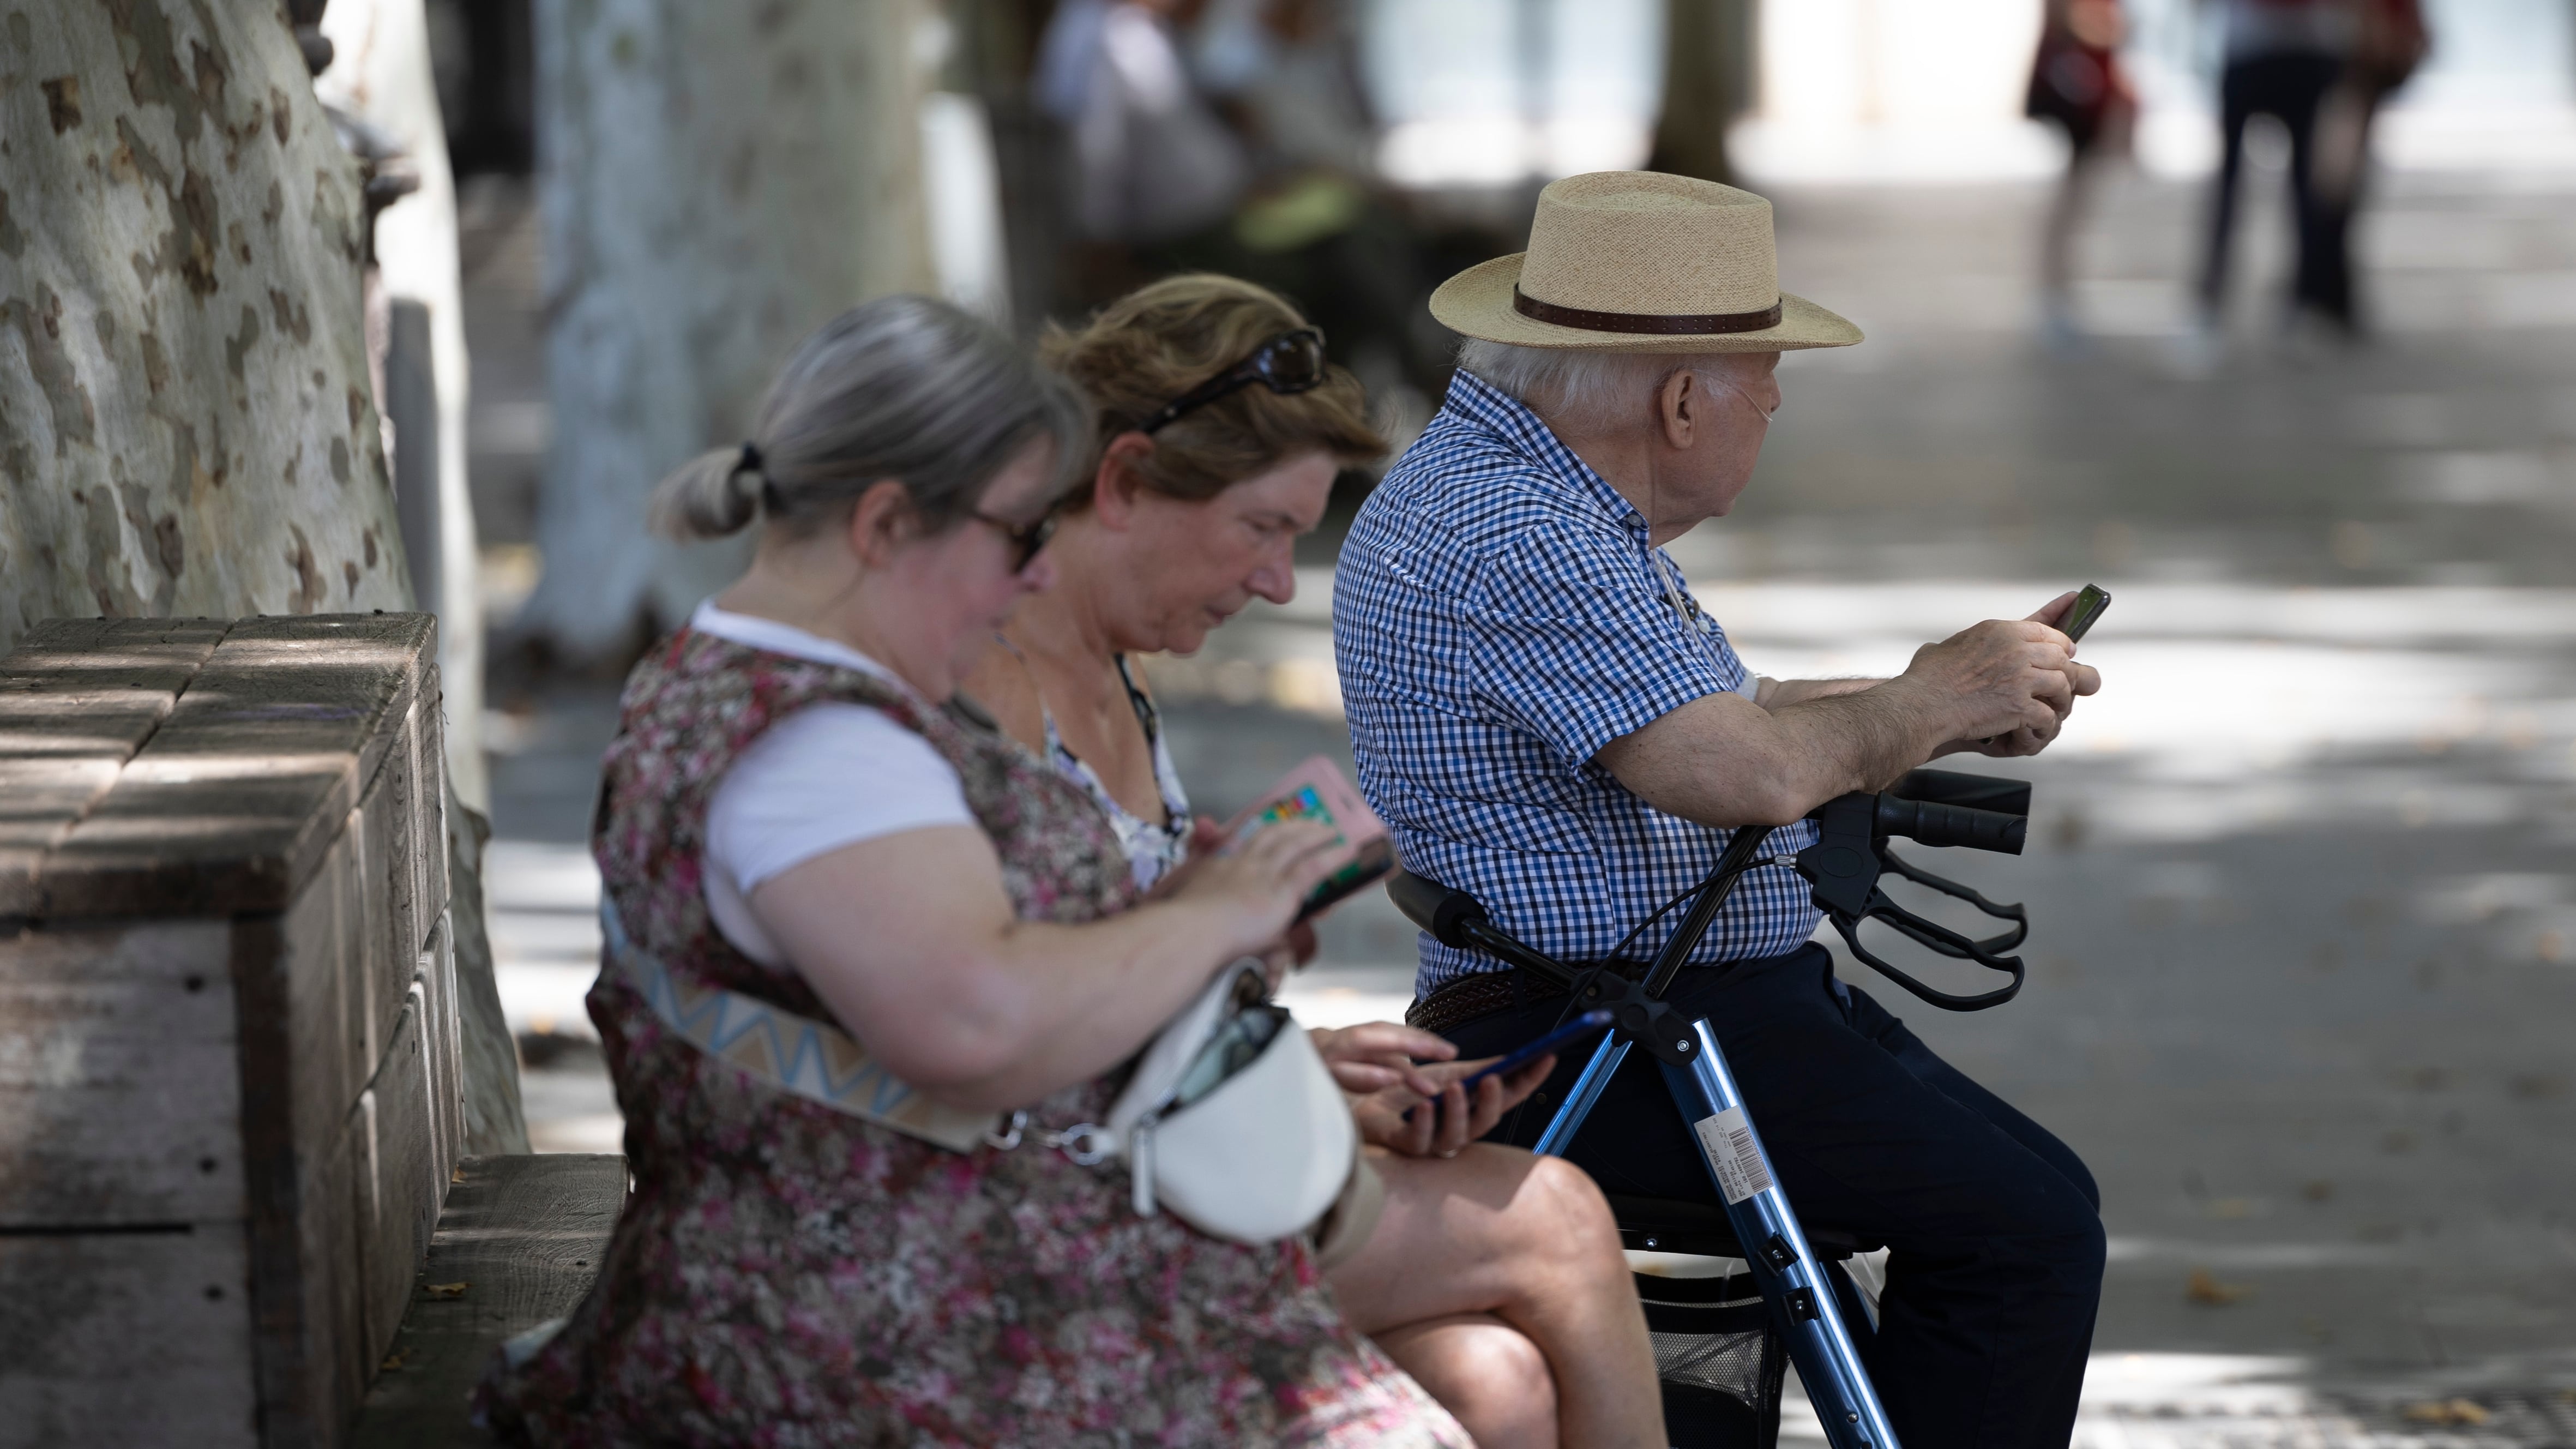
(1315, 790)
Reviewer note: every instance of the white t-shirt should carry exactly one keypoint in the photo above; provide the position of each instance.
(825, 776)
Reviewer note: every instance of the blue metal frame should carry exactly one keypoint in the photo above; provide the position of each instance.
(1788, 1272)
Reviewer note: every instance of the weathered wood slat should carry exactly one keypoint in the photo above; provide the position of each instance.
(126, 1338)
(233, 799)
(524, 1235)
(402, 1190)
(335, 1032)
(119, 1101)
(77, 698)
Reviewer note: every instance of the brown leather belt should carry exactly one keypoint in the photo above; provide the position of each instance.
(1471, 997)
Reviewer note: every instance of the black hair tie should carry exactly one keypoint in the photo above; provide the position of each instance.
(749, 461)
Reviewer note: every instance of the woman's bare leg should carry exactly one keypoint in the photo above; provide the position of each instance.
(1484, 1371)
(1517, 1241)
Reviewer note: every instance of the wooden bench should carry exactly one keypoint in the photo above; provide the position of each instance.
(519, 1243)
(229, 1058)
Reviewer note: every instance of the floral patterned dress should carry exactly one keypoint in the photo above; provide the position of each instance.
(785, 1274)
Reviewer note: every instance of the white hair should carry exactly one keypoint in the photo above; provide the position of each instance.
(1579, 391)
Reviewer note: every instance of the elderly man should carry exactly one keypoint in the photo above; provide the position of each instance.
(1547, 720)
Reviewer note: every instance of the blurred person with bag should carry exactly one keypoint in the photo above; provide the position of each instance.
(871, 973)
(2076, 81)
(2283, 57)
(2390, 42)
(1493, 1277)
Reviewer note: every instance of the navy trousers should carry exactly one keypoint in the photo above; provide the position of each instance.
(1993, 1225)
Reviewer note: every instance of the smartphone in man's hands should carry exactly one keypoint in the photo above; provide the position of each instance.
(2089, 606)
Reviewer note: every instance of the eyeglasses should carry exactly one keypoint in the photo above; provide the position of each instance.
(1026, 538)
(1290, 362)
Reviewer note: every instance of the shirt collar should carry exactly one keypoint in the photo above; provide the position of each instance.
(1524, 432)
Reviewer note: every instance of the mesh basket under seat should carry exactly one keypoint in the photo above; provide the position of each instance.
(1720, 1363)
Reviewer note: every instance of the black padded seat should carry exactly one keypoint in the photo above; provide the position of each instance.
(1672, 1225)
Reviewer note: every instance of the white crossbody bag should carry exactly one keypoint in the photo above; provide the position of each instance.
(1230, 1120)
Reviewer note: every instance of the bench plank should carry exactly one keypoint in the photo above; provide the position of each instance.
(525, 1236)
(126, 1338)
(119, 1101)
(77, 698)
(231, 802)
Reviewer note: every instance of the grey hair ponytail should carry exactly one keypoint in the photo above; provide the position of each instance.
(902, 387)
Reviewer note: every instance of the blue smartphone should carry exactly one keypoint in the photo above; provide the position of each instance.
(1573, 1031)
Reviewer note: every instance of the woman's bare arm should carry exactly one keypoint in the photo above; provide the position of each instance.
(911, 941)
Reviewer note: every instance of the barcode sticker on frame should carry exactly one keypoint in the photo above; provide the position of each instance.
(1728, 1140)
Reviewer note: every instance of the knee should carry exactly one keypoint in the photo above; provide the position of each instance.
(1565, 1216)
(1505, 1386)
(2068, 1239)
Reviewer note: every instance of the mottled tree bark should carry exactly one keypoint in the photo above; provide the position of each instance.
(185, 419)
(715, 182)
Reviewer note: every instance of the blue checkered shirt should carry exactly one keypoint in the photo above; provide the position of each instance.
(1499, 616)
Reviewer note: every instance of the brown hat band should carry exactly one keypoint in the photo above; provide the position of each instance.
(1671, 324)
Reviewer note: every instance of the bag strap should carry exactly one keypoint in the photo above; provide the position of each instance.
(794, 1054)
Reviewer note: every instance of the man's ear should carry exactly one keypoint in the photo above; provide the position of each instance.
(1115, 484)
(1681, 407)
(882, 522)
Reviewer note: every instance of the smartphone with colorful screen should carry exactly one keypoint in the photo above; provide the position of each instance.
(1317, 790)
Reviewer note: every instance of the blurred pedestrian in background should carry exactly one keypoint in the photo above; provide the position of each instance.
(1234, 136)
(1151, 161)
(2076, 81)
(2282, 58)
(2389, 41)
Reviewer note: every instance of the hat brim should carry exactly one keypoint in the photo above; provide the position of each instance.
(1478, 303)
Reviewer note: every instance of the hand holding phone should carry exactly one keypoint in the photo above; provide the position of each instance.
(1317, 790)
(1519, 1058)
(2089, 606)
(1575, 1030)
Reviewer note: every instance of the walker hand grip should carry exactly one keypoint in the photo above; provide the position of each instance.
(1951, 825)
(1435, 907)
(1977, 792)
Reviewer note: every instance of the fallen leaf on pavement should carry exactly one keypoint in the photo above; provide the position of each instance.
(2454, 1411)
(2208, 1290)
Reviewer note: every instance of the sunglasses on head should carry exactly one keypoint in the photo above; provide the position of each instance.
(1290, 362)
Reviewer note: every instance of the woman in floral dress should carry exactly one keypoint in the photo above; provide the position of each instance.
(817, 871)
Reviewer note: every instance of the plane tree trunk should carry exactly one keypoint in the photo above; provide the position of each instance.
(186, 423)
(714, 182)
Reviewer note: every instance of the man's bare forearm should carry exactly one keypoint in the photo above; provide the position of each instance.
(1780, 693)
(1875, 734)
(1726, 761)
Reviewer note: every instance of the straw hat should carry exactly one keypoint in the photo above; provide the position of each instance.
(1637, 261)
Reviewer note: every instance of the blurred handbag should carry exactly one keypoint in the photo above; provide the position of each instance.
(1230, 1120)
(2391, 43)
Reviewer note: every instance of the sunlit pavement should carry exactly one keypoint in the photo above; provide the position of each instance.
(2304, 958)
